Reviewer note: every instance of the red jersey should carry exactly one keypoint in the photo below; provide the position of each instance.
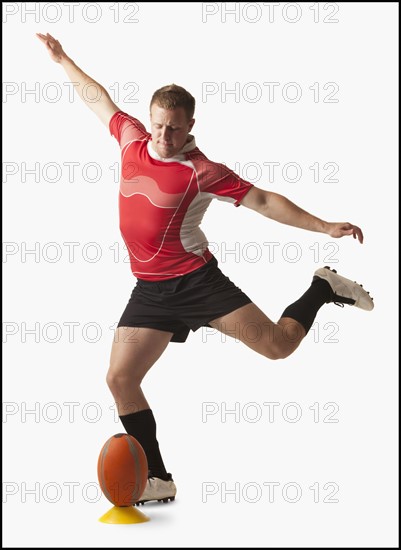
(162, 201)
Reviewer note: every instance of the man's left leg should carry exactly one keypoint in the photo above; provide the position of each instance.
(252, 327)
(278, 340)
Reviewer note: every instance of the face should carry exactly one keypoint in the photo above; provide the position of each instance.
(170, 130)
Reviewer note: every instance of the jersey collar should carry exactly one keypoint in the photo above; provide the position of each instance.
(179, 157)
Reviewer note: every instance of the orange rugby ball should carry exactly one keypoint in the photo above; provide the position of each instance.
(122, 470)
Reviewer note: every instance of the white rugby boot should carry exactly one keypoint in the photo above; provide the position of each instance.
(344, 290)
(158, 489)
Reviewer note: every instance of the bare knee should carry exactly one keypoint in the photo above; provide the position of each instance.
(118, 379)
(274, 356)
(114, 381)
(276, 351)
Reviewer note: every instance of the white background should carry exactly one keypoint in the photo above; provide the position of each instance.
(355, 368)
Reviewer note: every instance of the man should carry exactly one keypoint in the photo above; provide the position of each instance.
(166, 186)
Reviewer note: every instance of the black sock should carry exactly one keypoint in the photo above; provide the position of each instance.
(305, 309)
(142, 426)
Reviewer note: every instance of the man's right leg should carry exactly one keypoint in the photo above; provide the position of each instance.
(133, 353)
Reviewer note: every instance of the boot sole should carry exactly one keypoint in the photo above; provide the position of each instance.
(166, 499)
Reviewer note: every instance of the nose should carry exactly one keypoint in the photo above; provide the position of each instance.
(165, 134)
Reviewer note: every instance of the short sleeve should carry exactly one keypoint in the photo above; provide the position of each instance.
(225, 184)
(125, 128)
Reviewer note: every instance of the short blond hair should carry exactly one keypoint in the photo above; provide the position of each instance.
(173, 96)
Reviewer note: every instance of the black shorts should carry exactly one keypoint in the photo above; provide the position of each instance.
(183, 303)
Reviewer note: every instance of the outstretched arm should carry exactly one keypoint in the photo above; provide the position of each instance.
(279, 208)
(91, 92)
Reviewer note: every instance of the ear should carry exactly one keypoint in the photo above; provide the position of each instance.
(191, 124)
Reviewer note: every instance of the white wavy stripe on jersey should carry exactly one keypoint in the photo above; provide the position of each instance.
(167, 228)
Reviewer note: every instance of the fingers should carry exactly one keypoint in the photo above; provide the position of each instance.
(44, 41)
(43, 38)
(46, 37)
(357, 233)
(354, 230)
(349, 229)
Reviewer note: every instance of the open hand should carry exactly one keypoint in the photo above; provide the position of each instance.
(341, 229)
(53, 46)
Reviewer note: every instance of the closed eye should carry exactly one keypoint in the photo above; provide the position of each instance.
(158, 126)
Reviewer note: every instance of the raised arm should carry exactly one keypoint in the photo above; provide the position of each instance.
(279, 208)
(91, 92)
